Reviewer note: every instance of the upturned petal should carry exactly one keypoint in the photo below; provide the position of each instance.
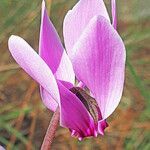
(74, 115)
(65, 70)
(99, 62)
(114, 13)
(34, 65)
(50, 47)
(47, 99)
(78, 18)
(51, 50)
(102, 124)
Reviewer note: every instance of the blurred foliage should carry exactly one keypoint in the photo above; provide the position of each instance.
(24, 119)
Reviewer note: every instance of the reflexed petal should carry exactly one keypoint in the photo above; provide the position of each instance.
(68, 85)
(114, 13)
(52, 51)
(32, 63)
(99, 62)
(78, 18)
(74, 114)
(101, 126)
(50, 47)
(48, 101)
(65, 70)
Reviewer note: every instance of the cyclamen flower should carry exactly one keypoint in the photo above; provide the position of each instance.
(96, 56)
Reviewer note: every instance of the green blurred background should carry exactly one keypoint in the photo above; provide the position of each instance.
(24, 119)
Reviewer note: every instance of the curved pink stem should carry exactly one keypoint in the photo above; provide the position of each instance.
(50, 134)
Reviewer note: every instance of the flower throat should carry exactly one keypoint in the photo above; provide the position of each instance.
(88, 101)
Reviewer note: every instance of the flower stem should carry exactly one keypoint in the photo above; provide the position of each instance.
(50, 134)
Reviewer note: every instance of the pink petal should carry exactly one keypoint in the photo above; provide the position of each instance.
(52, 51)
(74, 115)
(32, 63)
(99, 62)
(78, 18)
(50, 47)
(65, 70)
(102, 125)
(47, 99)
(114, 13)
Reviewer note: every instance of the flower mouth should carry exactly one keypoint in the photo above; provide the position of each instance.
(89, 102)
